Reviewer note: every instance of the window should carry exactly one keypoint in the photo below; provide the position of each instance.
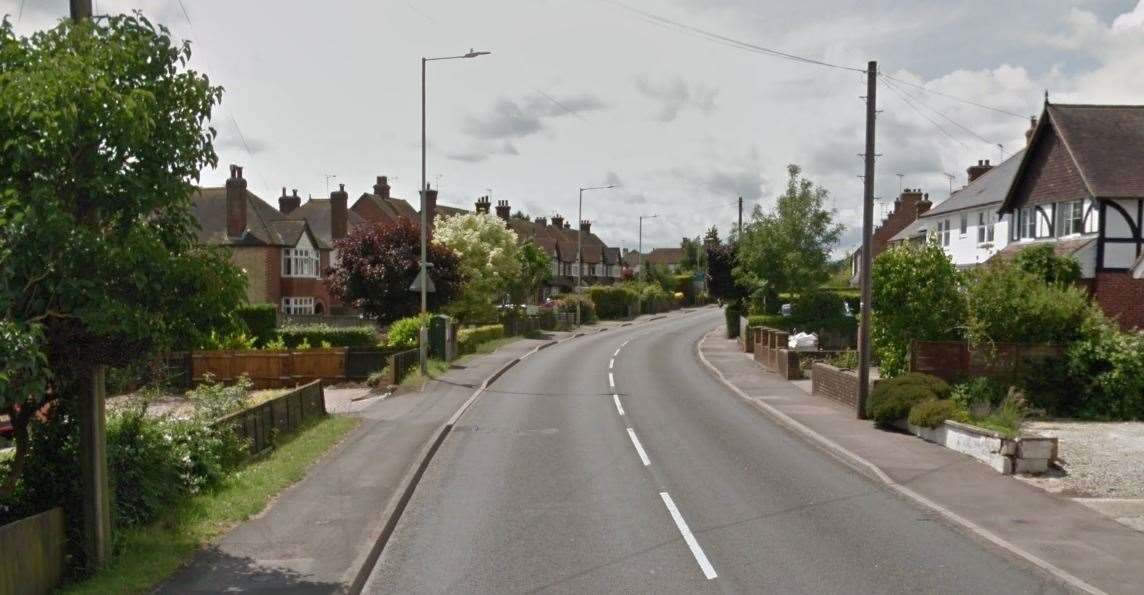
(297, 305)
(1091, 218)
(1070, 218)
(1029, 222)
(943, 229)
(299, 262)
(986, 225)
(964, 228)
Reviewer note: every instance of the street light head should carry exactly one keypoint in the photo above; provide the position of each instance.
(473, 54)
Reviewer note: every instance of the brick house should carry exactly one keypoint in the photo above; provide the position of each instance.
(283, 251)
(1080, 187)
(911, 204)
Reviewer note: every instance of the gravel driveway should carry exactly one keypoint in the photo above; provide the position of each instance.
(1101, 460)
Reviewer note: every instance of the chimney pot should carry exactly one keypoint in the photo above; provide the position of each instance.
(430, 207)
(287, 203)
(339, 213)
(235, 203)
(503, 210)
(381, 188)
(976, 171)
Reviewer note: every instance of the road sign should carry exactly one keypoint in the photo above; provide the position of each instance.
(416, 286)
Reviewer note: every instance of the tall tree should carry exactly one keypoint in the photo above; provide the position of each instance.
(535, 272)
(105, 132)
(720, 281)
(378, 263)
(487, 251)
(711, 237)
(692, 254)
(788, 248)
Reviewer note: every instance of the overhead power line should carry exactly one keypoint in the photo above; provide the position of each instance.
(954, 97)
(939, 114)
(724, 40)
(911, 105)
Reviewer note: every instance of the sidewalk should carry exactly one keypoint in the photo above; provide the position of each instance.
(1060, 536)
(311, 538)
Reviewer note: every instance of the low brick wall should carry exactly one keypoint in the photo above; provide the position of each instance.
(954, 361)
(33, 559)
(833, 383)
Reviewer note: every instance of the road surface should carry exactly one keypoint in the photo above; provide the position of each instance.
(617, 463)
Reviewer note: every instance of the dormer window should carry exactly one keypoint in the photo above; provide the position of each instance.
(301, 260)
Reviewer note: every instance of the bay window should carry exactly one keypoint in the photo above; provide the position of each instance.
(299, 262)
(298, 305)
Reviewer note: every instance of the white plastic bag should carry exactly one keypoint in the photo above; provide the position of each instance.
(803, 342)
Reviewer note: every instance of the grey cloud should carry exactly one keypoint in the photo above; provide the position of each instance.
(482, 151)
(612, 179)
(512, 119)
(675, 95)
(747, 183)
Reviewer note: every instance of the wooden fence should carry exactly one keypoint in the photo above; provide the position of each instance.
(33, 559)
(401, 364)
(954, 361)
(261, 425)
(270, 369)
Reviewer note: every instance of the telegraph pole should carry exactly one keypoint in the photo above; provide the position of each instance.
(740, 216)
(867, 231)
(93, 434)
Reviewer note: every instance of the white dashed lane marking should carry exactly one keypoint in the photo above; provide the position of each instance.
(639, 447)
(619, 407)
(688, 538)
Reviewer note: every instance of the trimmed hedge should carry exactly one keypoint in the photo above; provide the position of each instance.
(613, 302)
(893, 398)
(567, 303)
(732, 311)
(469, 338)
(347, 336)
(260, 321)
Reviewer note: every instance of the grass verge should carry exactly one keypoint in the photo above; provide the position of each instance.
(148, 555)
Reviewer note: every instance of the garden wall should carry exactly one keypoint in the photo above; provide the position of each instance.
(261, 425)
(33, 559)
(954, 360)
(834, 383)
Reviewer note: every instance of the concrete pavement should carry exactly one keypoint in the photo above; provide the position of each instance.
(617, 463)
(1081, 546)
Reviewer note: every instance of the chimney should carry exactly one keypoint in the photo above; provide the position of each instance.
(339, 212)
(235, 203)
(541, 221)
(923, 205)
(585, 226)
(381, 188)
(557, 221)
(1029, 132)
(286, 204)
(503, 210)
(567, 225)
(430, 206)
(976, 171)
(483, 205)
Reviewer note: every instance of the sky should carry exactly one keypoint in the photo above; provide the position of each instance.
(591, 92)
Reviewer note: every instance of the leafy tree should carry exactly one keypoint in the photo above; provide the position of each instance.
(658, 274)
(488, 259)
(104, 131)
(1043, 263)
(711, 237)
(720, 282)
(1008, 304)
(693, 255)
(917, 294)
(535, 272)
(378, 263)
(788, 249)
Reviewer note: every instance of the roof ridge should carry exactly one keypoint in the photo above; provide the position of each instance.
(1098, 105)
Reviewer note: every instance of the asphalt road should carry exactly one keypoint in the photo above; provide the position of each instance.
(546, 486)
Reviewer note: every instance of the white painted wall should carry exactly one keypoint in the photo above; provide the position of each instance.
(965, 250)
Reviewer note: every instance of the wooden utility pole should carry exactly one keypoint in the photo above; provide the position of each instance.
(740, 216)
(93, 434)
(867, 231)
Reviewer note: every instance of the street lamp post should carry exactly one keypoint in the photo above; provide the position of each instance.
(639, 254)
(424, 334)
(580, 244)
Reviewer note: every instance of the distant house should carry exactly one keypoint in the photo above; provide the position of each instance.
(669, 258)
(1080, 187)
(907, 208)
(282, 255)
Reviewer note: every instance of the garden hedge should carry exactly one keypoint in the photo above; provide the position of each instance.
(469, 338)
(893, 398)
(260, 321)
(336, 336)
(613, 302)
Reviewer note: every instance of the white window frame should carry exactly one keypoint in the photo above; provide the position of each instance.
(301, 261)
(963, 230)
(298, 306)
(944, 228)
(1092, 217)
(1070, 218)
(986, 227)
(1027, 224)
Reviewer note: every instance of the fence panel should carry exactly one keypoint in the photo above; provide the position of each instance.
(401, 363)
(33, 559)
(954, 361)
(318, 364)
(260, 425)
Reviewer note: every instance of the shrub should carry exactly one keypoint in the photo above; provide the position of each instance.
(916, 295)
(654, 299)
(1042, 262)
(892, 399)
(469, 338)
(931, 414)
(260, 320)
(336, 336)
(819, 305)
(732, 311)
(406, 332)
(847, 360)
(978, 392)
(1007, 304)
(1107, 368)
(213, 400)
(613, 302)
(567, 303)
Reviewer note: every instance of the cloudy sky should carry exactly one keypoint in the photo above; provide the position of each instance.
(588, 92)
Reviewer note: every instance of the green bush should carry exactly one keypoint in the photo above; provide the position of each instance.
(469, 338)
(732, 311)
(259, 320)
(1042, 262)
(654, 299)
(1106, 368)
(1007, 304)
(931, 414)
(847, 360)
(916, 295)
(684, 284)
(405, 333)
(982, 392)
(613, 302)
(567, 303)
(892, 399)
(336, 336)
(819, 305)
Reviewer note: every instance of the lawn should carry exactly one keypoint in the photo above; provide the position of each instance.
(150, 554)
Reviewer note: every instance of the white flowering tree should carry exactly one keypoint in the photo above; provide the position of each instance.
(489, 259)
